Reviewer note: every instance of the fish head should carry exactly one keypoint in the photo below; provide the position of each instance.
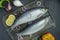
(43, 10)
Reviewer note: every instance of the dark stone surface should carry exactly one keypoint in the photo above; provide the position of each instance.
(54, 8)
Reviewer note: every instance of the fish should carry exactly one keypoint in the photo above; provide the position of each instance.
(29, 16)
(35, 27)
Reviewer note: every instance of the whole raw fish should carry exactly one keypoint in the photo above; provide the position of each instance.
(35, 27)
(29, 16)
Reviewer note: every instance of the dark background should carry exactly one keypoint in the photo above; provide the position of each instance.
(54, 8)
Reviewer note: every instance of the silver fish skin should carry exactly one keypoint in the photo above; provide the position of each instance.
(29, 16)
(35, 28)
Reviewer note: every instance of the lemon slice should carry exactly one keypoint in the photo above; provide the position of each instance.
(10, 20)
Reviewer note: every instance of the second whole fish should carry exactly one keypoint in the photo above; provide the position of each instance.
(35, 27)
